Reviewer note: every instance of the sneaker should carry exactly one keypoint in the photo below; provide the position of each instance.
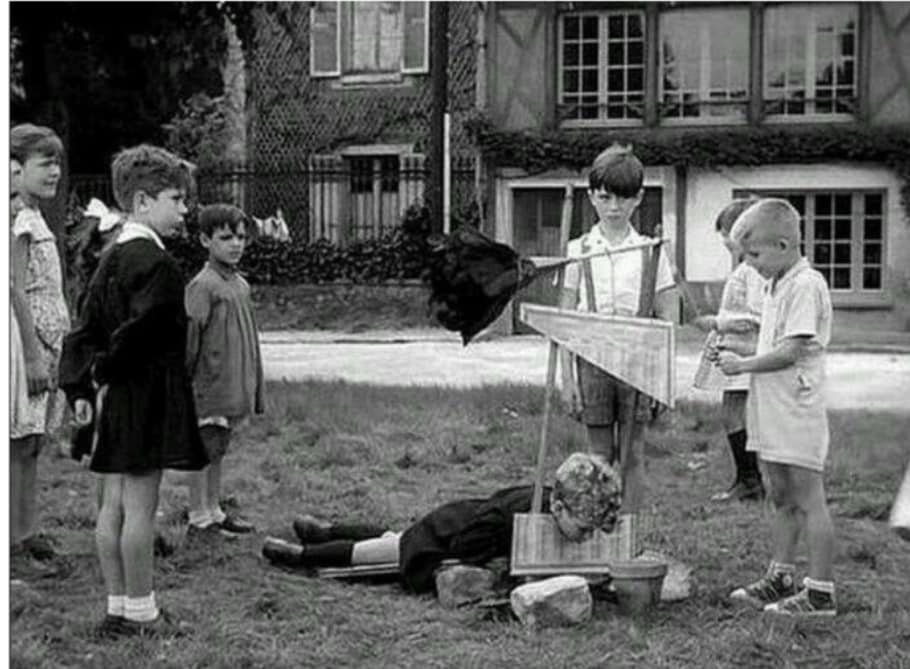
(741, 491)
(111, 627)
(164, 626)
(311, 530)
(806, 604)
(235, 525)
(768, 589)
(282, 553)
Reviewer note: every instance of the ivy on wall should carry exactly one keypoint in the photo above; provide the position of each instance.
(538, 151)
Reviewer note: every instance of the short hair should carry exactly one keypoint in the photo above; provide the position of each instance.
(27, 139)
(728, 215)
(590, 489)
(214, 217)
(150, 169)
(768, 219)
(617, 170)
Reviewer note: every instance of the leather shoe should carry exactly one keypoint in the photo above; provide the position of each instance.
(281, 552)
(311, 530)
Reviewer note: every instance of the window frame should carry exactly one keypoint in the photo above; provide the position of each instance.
(343, 27)
(855, 297)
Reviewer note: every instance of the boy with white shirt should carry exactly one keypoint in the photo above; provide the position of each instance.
(609, 406)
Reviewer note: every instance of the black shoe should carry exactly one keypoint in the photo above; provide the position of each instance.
(311, 530)
(235, 525)
(111, 627)
(282, 553)
(741, 491)
(164, 626)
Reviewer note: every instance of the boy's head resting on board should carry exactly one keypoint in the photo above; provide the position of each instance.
(586, 496)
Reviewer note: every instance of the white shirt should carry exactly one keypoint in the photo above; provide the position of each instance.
(133, 230)
(616, 277)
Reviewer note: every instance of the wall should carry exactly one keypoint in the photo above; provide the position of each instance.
(889, 62)
(709, 190)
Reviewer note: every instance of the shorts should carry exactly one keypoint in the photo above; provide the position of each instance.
(215, 440)
(28, 446)
(604, 397)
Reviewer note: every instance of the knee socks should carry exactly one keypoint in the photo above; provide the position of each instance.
(746, 461)
(329, 554)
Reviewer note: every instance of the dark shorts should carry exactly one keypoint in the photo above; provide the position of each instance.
(604, 397)
(215, 440)
(28, 446)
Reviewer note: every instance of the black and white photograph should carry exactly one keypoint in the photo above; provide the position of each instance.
(462, 335)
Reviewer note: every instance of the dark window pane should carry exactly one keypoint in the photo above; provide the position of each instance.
(823, 229)
(570, 80)
(589, 54)
(846, 45)
(589, 27)
(872, 254)
(873, 204)
(570, 27)
(616, 111)
(589, 80)
(636, 79)
(570, 54)
(636, 53)
(822, 254)
(824, 107)
(845, 73)
(616, 29)
(616, 54)
(872, 278)
(798, 202)
(633, 25)
(872, 228)
(842, 228)
(842, 253)
(614, 80)
(823, 205)
(841, 277)
(842, 204)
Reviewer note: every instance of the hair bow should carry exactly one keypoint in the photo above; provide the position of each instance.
(107, 219)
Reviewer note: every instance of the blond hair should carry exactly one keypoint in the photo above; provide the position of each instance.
(767, 220)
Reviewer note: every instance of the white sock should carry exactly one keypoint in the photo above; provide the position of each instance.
(141, 609)
(819, 586)
(201, 518)
(115, 605)
(217, 514)
(782, 568)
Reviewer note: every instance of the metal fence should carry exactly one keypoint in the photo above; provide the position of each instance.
(337, 198)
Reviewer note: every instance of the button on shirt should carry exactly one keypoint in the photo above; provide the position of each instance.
(786, 415)
(616, 278)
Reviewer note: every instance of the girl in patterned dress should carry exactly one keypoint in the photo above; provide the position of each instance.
(35, 154)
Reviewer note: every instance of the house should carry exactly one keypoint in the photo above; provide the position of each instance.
(339, 110)
(808, 101)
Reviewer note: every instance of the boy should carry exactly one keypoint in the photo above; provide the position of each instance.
(36, 291)
(222, 358)
(608, 404)
(737, 319)
(585, 496)
(131, 345)
(785, 414)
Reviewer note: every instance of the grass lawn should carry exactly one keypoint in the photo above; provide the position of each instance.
(390, 454)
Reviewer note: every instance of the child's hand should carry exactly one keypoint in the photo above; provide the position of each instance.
(37, 376)
(730, 363)
(83, 412)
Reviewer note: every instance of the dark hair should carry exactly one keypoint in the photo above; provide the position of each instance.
(728, 215)
(150, 169)
(27, 139)
(214, 217)
(617, 170)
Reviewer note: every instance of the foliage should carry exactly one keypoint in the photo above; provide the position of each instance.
(198, 131)
(400, 254)
(551, 148)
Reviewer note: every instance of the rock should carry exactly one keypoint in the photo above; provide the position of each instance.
(462, 584)
(554, 602)
(678, 581)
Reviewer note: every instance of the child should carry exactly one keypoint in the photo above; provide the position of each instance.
(737, 319)
(615, 191)
(131, 343)
(37, 282)
(222, 358)
(585, 497)
(785, 415)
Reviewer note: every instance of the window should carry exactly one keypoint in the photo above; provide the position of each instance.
(368, 39)
(843, 237)
(810, 60)
(602, 66)
(704, 64)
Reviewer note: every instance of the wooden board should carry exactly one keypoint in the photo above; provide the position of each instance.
(539, 548)
(368, 570)
(640, 351)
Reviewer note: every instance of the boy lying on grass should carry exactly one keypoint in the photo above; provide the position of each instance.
(585, 496)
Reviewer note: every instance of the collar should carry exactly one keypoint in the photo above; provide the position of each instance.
(798, 267)
(133, 230)
(227, 275)
(596, 237)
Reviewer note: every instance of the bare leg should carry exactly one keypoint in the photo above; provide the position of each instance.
(23, 486)
(809, 491)
(140, 501)
(376, 551)
(786, 524)
(213, 485)
(631, 464)
(602, 442)
(198, 491)
(108, 529)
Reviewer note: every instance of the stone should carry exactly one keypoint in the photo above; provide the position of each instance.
(678, 581)
(560, 601)
(462, 584)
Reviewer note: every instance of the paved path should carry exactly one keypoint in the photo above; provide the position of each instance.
(433, 357)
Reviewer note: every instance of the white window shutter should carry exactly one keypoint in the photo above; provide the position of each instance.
(326, 175)
(411, 181)
(416, 37)
(325, 34)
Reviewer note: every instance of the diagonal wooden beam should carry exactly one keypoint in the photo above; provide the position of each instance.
(892, 42)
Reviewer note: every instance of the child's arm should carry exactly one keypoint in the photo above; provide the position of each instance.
(706, 323)
(785, 354)
(198, 310)
(36, 371)
(666, 305)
